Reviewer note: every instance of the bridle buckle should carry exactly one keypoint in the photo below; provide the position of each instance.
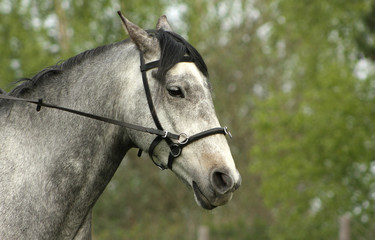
(165, 135)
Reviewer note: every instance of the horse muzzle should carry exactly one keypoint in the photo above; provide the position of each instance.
(219, 192)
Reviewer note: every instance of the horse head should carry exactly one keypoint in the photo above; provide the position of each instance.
(181, 102)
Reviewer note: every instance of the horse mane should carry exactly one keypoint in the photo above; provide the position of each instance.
(29, 83)
(173, 48)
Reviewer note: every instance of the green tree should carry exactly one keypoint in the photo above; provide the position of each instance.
(38, 33)
(313, 125)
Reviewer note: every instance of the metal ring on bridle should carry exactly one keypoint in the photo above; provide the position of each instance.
(227, 132)
(175, 147)
(183, 139)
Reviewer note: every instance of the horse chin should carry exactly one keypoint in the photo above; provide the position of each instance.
(201, 199)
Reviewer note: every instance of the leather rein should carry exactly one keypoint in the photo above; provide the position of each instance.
(181, 140)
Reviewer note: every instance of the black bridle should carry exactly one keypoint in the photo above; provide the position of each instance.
(183, 139)
(180, 140)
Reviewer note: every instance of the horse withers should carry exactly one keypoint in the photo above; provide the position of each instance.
(54, 165)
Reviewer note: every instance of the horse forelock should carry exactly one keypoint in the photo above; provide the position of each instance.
(172, 48)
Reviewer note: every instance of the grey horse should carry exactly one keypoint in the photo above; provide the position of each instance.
(54, 165)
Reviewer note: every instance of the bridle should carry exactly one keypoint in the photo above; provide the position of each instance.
(176, 147)
(183, 139)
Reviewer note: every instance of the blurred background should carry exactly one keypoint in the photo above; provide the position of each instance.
(293, 80)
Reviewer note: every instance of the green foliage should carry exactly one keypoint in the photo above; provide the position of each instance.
(35, 34)
(314, 145)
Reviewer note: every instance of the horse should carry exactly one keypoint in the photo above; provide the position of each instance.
(54, 165)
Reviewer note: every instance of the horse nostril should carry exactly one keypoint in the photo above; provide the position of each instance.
(221, 182)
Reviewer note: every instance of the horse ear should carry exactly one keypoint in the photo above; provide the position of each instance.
(164, 24)
(140, 37)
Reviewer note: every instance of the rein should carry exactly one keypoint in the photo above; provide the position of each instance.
(41, 104)
(181, 140)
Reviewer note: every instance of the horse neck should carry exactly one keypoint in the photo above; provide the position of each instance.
(94, 84)
(59, 147)
(97, 85)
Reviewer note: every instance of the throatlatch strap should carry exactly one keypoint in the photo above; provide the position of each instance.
(151, 149)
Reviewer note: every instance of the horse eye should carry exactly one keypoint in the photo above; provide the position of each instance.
(175, 92)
